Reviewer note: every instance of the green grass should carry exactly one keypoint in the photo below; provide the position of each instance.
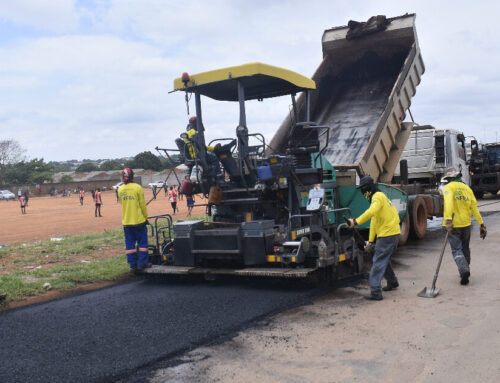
(22, 284)
(68, 270)
(76, 245)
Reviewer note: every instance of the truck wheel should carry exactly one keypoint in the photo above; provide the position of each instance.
(418, 217)
(405, 230)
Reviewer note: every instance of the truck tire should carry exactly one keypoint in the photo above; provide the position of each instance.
(405, 230)
(418, 217)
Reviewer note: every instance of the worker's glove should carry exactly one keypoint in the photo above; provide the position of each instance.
(351, 222)
(368, 247)
(482, 231)
(449, 225)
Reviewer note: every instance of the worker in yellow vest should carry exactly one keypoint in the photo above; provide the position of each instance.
(384, 227)
(459, 203)
(134, 217)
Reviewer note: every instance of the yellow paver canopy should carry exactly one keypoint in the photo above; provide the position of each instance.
(259, 80)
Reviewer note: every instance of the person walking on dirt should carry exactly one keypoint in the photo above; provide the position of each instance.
(22, 202)
(134, 218)
(98, 202)
(82, 194)
(179, 193)
(172, 195)
(187, 188)
(459, 203)
(384, 226)
(190, 204)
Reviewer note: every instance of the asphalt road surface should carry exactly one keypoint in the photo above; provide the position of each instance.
(108, 334)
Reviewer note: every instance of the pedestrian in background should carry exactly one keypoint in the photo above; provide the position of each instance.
(179, 193)
(459, 203)
(82, 194)
(172, 195)
(187, 188)
(384, 226)
(134, 218)
(22, 202)
(189, 203)
(26, 197)
(98, 202)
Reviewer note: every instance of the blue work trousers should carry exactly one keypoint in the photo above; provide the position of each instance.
(136, 235)
(382, 267)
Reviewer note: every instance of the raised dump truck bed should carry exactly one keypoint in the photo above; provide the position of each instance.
(364, 88)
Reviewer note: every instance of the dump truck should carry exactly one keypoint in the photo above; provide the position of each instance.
(280, 215)
(365, 82)
(364, 88)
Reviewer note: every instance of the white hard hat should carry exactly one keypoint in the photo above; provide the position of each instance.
(452, 173)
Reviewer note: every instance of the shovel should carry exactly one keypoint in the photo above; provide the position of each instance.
(433, 291)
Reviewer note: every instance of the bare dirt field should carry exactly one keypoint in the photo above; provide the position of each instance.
(49, 217)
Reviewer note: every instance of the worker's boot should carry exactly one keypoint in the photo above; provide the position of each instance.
(391, 286)
(374, 297)
(463, 268)
(464, 278)
(146, 266)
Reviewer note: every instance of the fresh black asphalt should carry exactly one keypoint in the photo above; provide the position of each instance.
(105, 335)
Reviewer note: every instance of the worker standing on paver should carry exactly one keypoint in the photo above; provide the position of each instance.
(134, 217)
(384, 226)
(98, 202)
(459, 203)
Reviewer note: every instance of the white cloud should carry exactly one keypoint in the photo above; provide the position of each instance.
(53, 15)
(98, 86)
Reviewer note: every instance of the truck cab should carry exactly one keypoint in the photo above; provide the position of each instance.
(429, 152)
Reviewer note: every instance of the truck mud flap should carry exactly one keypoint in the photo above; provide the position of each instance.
(246, 272)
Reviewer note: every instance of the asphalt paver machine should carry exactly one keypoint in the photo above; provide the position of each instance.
(273, 215)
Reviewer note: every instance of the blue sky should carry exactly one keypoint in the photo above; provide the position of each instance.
(90, 79)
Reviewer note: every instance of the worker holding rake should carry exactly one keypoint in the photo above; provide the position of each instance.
(459, 203)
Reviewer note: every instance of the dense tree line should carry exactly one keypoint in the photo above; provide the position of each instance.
(15, 169)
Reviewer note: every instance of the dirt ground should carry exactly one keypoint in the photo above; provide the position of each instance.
(344, 338)
(49, 217)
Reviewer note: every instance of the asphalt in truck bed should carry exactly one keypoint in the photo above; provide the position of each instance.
(107, 334)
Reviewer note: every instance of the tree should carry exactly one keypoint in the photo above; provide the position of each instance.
(10, 152)
(111, 165)
(66, 178)
(166, 163)
(86, 167)
(147, 160)
(35, 171)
